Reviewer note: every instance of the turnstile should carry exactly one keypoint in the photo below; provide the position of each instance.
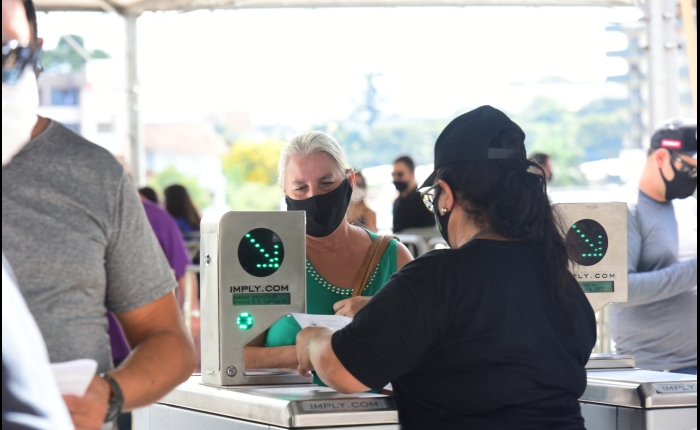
(620, 397)
(196, 406)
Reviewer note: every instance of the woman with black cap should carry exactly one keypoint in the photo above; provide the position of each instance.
(491, 334)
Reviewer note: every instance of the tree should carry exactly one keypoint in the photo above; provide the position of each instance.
(251, 172)
(66, 57)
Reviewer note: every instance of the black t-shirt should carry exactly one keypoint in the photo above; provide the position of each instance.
(410, 212)
(472, 339)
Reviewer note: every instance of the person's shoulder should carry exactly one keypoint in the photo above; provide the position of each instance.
(429, 264)
(156, 213)
(66, 144)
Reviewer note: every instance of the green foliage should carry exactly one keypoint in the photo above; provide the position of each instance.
(171, 176)
(253, 196)
(253, 162)
(64, 56)
(571, 138)
(251, 172)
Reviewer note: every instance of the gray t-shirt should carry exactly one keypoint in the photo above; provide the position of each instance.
(76, 235)
(659, 324)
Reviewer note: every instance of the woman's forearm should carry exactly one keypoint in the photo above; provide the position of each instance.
(277, 357)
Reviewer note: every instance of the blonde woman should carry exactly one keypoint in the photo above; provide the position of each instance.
(315, 176)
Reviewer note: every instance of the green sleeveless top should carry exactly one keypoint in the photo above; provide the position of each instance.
(321, 295)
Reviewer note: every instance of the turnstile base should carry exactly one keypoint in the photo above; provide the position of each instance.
(164, 417)
(605, 417)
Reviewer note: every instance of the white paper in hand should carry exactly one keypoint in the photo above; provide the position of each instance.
(334, 322)
(74, 377)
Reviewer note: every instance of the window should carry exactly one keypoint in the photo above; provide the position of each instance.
(64, 96)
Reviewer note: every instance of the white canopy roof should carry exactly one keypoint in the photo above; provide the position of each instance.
(135, 7)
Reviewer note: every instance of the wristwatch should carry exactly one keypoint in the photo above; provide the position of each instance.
(116, 398)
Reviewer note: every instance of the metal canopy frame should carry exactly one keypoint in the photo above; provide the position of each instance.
(660, 15)
(136, 7)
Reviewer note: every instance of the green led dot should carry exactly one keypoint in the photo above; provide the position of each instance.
(259, 265)
(277, 246)
(587, 240)
(584, 255)
(267, 255)
(277, 253)
(247, 235)
(277, 265)
(574, 226)
(257, 245)
(245, 321)
(252, 240)
(264, 265)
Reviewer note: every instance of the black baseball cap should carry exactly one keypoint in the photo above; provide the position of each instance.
(468, 137)
(677, 134)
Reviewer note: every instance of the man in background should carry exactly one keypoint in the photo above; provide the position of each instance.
(409, 210)
(30, 396)
(658, 326)
(545, 162)
(76, 235)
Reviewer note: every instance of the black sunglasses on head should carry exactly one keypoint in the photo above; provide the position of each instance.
(16, 56)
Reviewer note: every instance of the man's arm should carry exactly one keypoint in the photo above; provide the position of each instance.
(163, 354)
(649, 287)
(162, 357)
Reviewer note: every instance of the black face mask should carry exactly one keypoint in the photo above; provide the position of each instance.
(442, 220)
(324, 213)
(681, 187)
(401, 186)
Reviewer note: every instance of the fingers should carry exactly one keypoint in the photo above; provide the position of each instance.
(341, 304)
(86, 414)
(303, 372)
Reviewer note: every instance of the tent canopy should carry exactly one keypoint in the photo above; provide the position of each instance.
(136, 7)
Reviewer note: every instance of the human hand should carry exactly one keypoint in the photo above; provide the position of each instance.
(303, 349)
(89, 412)
(350, 307)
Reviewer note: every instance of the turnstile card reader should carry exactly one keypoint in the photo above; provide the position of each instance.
(253, 274)
(597, 240)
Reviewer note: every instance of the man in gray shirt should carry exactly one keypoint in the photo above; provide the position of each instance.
(658, 326)
(76, 235)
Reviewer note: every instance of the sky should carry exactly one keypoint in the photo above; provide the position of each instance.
(301, 67)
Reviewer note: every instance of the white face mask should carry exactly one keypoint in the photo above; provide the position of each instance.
(19, 106)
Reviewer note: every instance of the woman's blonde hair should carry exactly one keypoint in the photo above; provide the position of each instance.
(310, 143)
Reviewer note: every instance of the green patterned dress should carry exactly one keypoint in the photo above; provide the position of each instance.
(321, 295)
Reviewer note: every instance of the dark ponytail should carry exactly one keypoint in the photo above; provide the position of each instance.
(510, 197)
